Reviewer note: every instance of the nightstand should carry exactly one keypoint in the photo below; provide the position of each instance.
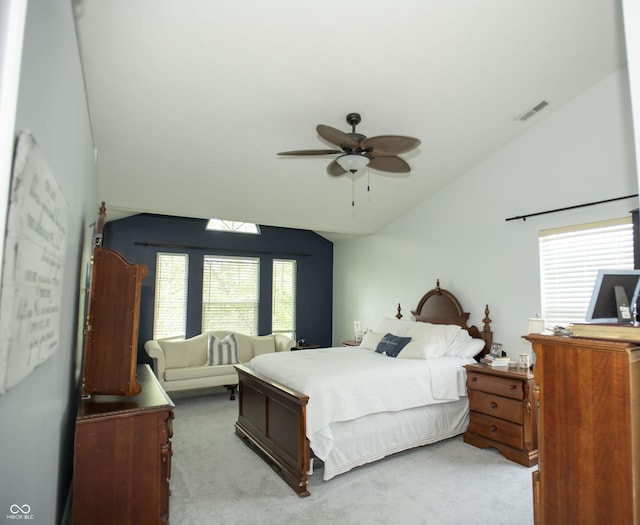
(502, 412)
(304, 347)
(350, 343)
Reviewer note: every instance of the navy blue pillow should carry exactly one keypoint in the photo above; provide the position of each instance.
(392, 344)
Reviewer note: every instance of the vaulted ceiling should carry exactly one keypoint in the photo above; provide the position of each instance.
(190, 100)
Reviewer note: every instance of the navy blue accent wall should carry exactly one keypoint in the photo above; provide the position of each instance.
(140, 237)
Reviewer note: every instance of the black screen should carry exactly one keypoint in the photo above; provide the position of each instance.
(606, 306)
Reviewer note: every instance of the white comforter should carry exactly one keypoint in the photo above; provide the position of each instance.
(344, 384)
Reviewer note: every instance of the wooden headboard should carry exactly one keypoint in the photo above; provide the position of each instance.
(439, 306)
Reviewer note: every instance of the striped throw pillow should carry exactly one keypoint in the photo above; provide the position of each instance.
(223, 351)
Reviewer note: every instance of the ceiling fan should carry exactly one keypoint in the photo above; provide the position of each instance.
(357, 151)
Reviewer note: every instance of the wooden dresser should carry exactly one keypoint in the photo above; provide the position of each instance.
(122, 462)
(589, 396)
(502, 412)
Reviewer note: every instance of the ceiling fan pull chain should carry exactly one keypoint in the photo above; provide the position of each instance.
(353, 189)
(368, 179)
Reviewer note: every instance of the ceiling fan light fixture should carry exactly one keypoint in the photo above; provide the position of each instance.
(352, 162)
(357, 151)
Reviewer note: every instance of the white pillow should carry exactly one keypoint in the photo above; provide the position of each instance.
(186, 352)
(414, 350)
(393, 326)
(470, 348)
(263, 344)
(465, 346)
(461, 338)
(436, 337)
(371, 339)
(175, 356)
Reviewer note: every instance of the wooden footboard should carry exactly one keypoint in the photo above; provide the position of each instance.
(272, 418)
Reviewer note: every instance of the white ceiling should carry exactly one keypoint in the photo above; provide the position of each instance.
(190, 100)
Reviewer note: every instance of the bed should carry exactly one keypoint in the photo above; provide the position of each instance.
(290, 412)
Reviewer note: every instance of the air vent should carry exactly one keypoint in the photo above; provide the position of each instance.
(531, 112)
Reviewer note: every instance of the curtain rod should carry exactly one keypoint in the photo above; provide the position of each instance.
(216, 249)
(524, 217)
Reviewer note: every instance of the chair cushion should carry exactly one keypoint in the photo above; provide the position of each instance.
(243, 341)
(391, 345)
(185, 353)
(245, 349)
(263, 344)
(223, 351)
(195, 372)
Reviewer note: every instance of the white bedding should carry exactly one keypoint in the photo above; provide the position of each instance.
(386, 433)
(346, 384)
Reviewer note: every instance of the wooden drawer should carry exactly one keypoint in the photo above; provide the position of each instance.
(502, 386)
(497, 406)
(498, 430)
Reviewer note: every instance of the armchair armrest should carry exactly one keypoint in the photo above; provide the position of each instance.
(154, 351)
(283, 343)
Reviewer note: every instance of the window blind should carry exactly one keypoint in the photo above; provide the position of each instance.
(283, 299)
(170, 303)
(230, 294)
(569, 262)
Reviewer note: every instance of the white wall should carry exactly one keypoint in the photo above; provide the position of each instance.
(12, 18)
(38, 414)
(631, 14)
(581, 153)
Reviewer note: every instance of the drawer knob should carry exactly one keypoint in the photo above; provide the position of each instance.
(493, 405)
(493, 429)
(474, 378)
(513, 386)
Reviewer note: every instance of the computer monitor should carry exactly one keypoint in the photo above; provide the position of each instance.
(614, 297)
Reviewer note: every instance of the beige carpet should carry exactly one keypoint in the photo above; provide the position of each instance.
(217, 479)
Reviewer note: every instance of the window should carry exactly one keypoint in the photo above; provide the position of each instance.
(230, 294)
(232, 226)
(569, 262)
(283, 299)
(170, 309)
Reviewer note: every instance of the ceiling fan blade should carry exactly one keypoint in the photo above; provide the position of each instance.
(337, 137)
(391, 164)
(311, 152)
(385, 145)
(334, 169)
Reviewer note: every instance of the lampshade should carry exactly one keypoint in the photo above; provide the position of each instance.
(352, 162)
